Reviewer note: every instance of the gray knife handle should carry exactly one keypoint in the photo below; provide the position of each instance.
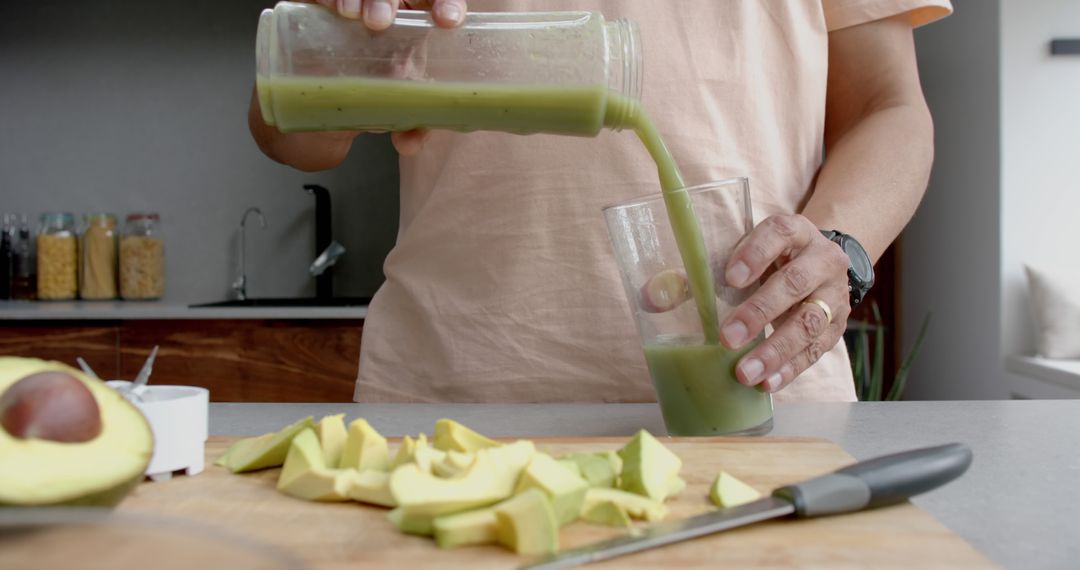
(878, 482)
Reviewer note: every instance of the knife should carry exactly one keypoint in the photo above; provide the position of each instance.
(878, 482)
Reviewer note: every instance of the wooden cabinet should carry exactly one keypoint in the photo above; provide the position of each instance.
(237, 360)
(95, 341)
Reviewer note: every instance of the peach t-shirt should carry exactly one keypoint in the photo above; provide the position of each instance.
(503, 286)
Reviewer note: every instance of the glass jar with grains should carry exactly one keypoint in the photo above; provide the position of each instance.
(57, 257)
(142, 257)
(97, 258)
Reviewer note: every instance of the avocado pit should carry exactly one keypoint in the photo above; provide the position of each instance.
(50, 405)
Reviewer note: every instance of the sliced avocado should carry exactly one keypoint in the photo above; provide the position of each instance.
(267, 450)
(425, 457)
(607, 513)
(459, 460)
(305, 475)
(470, 527)
(372, 486)
(727, 491)
(95, 472)
(396, 517)
(510, 460)
(364, 448)
(526, 524)
(422, 493)
(614, 458)
(648, 467)
(565, 490)
(406, 450)
(676, 485)
(304, 455)
(412, 520)
(332, 435)
(599, 469)
(453, 463)
(450, 435)
(635, 505)
(422, 496)
(325, 485)
(570, 465)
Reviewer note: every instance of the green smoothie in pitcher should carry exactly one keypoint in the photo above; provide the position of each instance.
(337, 103)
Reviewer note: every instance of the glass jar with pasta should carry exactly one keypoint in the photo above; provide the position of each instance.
(142, 258)
(57, 257)
(98, 258)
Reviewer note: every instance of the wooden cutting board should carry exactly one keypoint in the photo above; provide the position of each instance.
(351, 536)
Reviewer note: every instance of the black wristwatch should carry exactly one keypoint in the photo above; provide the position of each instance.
(860, 271)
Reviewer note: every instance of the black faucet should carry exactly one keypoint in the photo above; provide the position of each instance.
(324, 282)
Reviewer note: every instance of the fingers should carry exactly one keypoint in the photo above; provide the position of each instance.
(376, 14)
(380, 14)
(803, 324)
(776, 237)
(409, 143)
(775, 240)
(806, 357)
(447, 13)
(798, 342)
(349, 8)
(807, 266)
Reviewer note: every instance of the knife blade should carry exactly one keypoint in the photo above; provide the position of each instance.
(873, 483)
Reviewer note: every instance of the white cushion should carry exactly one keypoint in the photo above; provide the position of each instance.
(1055, 304)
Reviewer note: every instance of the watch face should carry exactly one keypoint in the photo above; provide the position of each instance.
(860, 262)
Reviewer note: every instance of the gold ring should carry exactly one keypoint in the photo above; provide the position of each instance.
(824, 307)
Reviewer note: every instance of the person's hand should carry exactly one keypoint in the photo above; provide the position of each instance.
(803, 268)
(325, 150)
(379, 15)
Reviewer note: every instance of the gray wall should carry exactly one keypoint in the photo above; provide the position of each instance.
(950, 262)
(133, 105)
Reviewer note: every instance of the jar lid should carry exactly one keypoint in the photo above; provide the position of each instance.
(99, 217)
(65, 217)
(139, 216)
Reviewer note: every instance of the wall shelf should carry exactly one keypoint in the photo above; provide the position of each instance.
(1065, 46)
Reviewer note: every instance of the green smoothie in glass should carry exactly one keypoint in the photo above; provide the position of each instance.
(697, 390)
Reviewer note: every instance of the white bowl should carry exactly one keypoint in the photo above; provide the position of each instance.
(178, 417)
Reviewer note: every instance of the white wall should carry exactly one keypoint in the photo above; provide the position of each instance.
(1040, 130)
(949, 255)
(131, 105)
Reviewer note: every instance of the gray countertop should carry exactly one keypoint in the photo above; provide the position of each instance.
(136, 310)
(1017, 504)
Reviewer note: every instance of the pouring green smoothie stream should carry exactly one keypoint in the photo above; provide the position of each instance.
(694, 377)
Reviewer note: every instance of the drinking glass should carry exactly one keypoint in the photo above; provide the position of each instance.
(694, 379)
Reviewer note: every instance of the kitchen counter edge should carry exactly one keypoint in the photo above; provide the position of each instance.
(13, 311)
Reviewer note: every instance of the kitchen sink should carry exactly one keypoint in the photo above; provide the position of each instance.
(289, 302)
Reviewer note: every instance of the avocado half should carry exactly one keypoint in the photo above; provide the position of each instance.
(99, 472)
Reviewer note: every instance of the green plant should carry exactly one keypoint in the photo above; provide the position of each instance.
(867, 366)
